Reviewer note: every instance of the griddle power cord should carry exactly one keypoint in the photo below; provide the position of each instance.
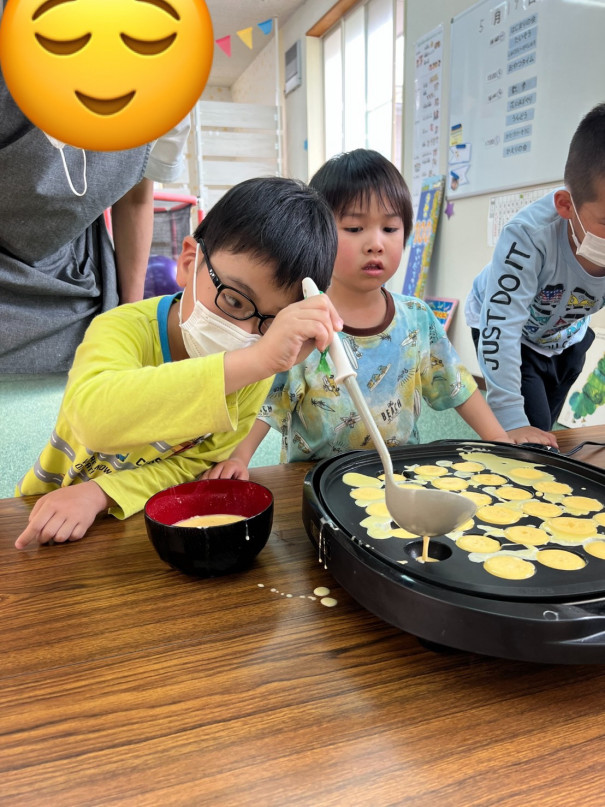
(581, 445)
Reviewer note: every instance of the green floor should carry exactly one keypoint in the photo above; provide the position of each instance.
(29, 406)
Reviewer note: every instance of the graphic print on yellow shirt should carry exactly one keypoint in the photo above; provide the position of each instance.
(133, 420)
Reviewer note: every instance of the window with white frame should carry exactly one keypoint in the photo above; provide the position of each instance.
(363, 80)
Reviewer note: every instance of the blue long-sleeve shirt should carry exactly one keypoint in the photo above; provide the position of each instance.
(534, 292)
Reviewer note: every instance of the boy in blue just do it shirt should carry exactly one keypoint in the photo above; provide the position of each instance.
(529, 308)
(161, 390)
(395, 343)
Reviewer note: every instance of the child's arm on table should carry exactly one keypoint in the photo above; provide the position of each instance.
(480, 417)
(66, 514)
(476, 412)
(236, 467)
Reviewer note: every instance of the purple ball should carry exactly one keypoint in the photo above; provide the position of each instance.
(161, 276)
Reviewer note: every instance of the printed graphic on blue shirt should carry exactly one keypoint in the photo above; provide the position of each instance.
(410, 360)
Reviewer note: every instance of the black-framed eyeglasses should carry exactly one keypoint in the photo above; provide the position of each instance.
(232, 302)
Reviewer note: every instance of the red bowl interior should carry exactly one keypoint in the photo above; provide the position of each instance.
(208, 497)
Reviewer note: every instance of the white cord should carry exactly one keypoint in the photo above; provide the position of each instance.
(66, 169)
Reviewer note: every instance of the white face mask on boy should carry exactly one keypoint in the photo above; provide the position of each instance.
(205, 333)
(592, 247)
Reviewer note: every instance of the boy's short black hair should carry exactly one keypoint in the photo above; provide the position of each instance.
(278, 220)
(586, 157)
(357, 176)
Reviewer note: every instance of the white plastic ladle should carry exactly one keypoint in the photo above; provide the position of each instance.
(419, 511)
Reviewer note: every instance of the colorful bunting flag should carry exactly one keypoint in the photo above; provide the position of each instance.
(245, 35)
(224, 44)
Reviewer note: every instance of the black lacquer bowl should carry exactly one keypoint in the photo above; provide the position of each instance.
(210, 551)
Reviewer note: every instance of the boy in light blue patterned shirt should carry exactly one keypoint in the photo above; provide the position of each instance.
(396, 344)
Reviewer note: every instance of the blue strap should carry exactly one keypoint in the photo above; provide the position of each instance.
(163, 309)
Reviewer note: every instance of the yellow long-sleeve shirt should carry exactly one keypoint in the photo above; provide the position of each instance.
(133, 420)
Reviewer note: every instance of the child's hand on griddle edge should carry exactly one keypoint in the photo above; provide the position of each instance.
(530, 434)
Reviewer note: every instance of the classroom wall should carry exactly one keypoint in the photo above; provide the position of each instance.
(256, 85)
(304, 105)
(461, 247)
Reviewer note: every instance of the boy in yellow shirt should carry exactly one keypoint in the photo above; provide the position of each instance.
(163, 389)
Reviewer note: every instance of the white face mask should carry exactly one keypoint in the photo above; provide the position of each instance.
(592, 247)
(205, 333)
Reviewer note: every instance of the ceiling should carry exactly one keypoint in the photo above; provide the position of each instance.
(229, 17)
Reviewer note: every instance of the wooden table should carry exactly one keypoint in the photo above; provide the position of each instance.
(126, 683)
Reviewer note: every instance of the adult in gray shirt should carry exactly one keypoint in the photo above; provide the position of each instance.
(58, 266)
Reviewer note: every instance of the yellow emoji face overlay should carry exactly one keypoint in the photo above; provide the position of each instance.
(106, 74)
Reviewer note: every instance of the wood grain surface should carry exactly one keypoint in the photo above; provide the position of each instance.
(123, 682)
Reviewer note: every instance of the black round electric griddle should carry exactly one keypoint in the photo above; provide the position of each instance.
(555, 616)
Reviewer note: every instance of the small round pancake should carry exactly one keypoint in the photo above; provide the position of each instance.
(430, 470)
(450, 483)
(558, 488)
(482, 544)
(361, 481)
(581, 505)
(600, 518)
(531, 475)
(498, 514)
(378, 528)
(541, 509)
(468, 467)
(487, 479)
(512, 494)
(468, 525)
(509, 567)
(530, 536)
(378, 509)
(596, 549)
(381, 520)
(480, 499)
(567, 528)
(364, 496)
(560, 559)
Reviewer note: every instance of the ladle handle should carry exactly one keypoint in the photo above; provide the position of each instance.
(340, 360)
(344, 372)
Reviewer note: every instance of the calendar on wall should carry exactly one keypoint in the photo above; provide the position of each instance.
(503, 207)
